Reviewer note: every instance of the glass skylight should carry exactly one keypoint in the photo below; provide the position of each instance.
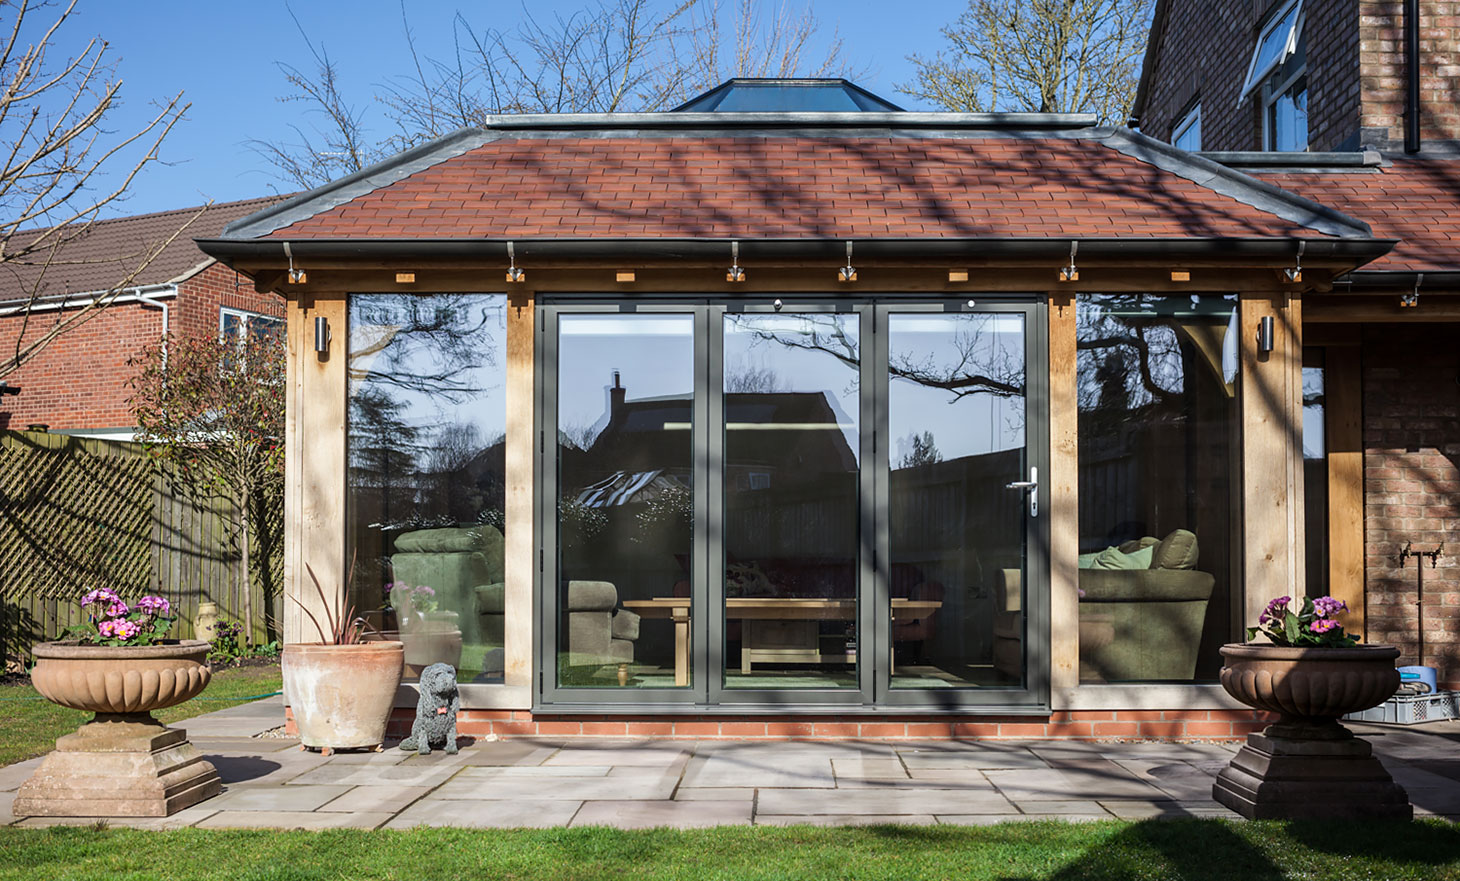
(787, 96)
(1278, 41)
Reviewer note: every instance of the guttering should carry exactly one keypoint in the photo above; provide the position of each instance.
(1265, 251)
(55, 302)
(1387, 280)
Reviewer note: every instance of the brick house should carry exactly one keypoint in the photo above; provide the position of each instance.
(1381, 112)
(78, 383)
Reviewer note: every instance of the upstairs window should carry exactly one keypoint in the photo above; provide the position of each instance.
(1277, 42)
(1186, 134)
(1278, 75)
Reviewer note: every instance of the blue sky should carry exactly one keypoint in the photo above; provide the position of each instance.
(223, 57)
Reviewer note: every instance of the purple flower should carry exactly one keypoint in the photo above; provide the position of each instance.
(154, 605)
(425, 592)
(1327, 607)
(100, 595)
(117, 609)
(117, 629)
(1323, 625)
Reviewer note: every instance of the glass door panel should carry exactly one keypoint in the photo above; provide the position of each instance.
(956, 569)
(625, 499)
(791, 472)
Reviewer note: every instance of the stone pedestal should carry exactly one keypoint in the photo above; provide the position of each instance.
(1291, 772)
(119, 765)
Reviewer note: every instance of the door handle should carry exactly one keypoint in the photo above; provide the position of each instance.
(1030, 486)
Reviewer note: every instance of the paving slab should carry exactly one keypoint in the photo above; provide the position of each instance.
(266, 768)
(1141, 810)
(1178, 780)
(637, 756)
(996, 819)
(714, 793)
(952, 778)
(652, 814)
(514, 814)
(242, 745)
(376, 799)
(533, 772)
(244, 720)
(403, 774)
(763, 767)
(1103, 777)
(506, 754)
(845, 820)
(561, 788)
(1086, 807)
(868, 768)
(876, 801)
(7, 800)
(276, 798)
(1036, 785)
(989, 757)
(293, 820)
(13, 776)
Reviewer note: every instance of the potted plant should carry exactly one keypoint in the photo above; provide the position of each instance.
(123, 762)
(431, 635)
(1310, 673)
(341, 689)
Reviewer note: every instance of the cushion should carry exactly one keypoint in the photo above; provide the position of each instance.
(1176, 551)
(490, 599)
(1136, 544)
(1087, 560)
(450, 540)
(625, 625)
(591, 596)
(1112, 558)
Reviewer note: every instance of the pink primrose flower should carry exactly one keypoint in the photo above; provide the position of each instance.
(1323, 625)
(125, 629)
(100, 595)
(117, 609)
(1327, 607)
(154, 605)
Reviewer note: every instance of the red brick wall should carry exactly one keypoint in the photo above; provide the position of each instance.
(1205, 51)
(80, 380)
(1383, 62)
(1411, 394)
(1176, 725)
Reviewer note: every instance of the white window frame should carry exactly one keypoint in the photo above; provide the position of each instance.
(1270, 95)
(1256, 76)
(1185, 124)
(245, 316)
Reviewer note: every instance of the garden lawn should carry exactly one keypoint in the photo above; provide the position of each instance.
(30, 727)
(1195, 850)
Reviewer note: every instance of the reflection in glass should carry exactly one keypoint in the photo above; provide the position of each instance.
(625, 385)
(791, 471)
(1315, 474)
(427, 415)
(957, 422)
(1157, 418)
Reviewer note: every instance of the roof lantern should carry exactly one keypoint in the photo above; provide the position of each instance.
(780, 95)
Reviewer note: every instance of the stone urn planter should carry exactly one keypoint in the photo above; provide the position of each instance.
(342, 695)
(122, 763)
(1307, 765)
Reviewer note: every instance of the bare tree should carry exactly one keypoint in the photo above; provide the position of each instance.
(1051, 56)
(609, 56)
(63, 164)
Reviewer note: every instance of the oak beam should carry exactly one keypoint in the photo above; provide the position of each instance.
(1064, 506)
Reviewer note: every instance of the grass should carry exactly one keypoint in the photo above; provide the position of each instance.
(30, 727)
(1196, 850)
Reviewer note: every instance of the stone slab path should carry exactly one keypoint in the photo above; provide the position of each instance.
(534, 782)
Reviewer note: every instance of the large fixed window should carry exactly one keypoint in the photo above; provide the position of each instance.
(426, 422)
(777, 502)
(1158, 455)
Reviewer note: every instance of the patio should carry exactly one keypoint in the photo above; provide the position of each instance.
(540, 782)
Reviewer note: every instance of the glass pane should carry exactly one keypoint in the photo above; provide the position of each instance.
(1315, 479)
(1157, 421)
(957, 427)
(1289, 118)
(791, 471)
(1273, 45)
(625, 457)
(427, 415)
(1188, 131)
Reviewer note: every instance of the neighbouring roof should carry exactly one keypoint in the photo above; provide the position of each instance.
(1413, 200)
(112, 248)
(800, 176)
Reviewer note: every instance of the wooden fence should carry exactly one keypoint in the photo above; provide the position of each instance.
(79, 513)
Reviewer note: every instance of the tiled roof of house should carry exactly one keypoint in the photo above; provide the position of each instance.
(112, 248)
(908, 181)
(1414, 200)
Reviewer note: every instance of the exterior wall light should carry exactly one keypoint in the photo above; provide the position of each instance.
(735, 272)
(321, 335)
(1265, 342)
(847, 273)
(1071, 272)
(514, 275)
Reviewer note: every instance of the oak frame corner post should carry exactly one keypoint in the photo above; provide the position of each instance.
(1064, 508)
(1270, 391)
(314, 464)
(521, 457)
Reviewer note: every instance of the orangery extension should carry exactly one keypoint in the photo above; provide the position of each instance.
(789, 413)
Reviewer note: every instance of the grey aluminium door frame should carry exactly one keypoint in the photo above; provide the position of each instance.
(706, 693)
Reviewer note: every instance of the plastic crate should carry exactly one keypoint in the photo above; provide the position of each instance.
(1406, 709)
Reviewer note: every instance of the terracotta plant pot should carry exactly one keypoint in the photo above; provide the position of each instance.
(434, 638)
(121, 679)
(342, 695)
(1310, 686)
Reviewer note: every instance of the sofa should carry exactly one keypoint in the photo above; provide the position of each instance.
(464, 565)
(1150, 619)
(599, 632)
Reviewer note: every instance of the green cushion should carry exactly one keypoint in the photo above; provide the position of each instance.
(1112, 558)
(491, 599)
(1176, 551)
(439, 541)
(1136, 544)
(1087, 560)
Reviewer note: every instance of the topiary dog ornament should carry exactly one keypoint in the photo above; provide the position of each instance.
(435, 725)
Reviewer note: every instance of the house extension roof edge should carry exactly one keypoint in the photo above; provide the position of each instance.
(1269, 160)
(1236, 185)
(1275, 251)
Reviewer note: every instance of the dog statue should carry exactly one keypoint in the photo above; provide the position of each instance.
(435, 725)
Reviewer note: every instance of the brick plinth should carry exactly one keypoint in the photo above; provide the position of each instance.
(1108, 725)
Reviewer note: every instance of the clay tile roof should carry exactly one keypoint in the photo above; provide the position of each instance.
(1413, 200)
(111, 249)
(832, 186)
